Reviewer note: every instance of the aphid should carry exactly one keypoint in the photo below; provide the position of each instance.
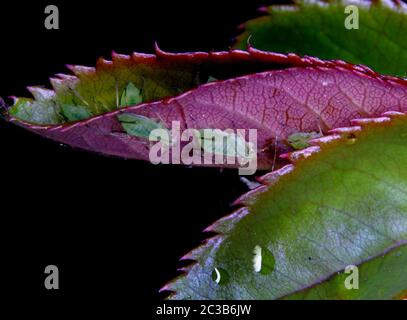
(75, 113)
(138, 126)
(131, 96)
(141, 127)
(223, 143)
(300, 140)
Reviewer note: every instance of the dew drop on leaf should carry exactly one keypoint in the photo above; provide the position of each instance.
(263, 260)
(220, 276)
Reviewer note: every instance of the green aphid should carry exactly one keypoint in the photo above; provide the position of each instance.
(300, 140)
(75, 113)
(211, 79)
(131, 96)
(218, 142)
(139, 126)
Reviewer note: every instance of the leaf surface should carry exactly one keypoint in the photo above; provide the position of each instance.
(317, 28)
(303, 95)
(342, 203)
(129, 80)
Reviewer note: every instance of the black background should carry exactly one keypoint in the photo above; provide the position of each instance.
(115, 228)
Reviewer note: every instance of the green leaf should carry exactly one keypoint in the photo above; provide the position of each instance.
(316, 28)
(343, 205)
(131, 96)
(35, 112)
(75, 113)
(381, 278)
(100, 89)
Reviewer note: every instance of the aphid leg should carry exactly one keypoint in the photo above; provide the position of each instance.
(320, 129)
(322, 126)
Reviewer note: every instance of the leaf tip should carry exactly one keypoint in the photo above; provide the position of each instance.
(250, 196)
(157, 50)
(80, 70)
(365, 121)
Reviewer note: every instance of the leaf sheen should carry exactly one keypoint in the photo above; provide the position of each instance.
(345, 205)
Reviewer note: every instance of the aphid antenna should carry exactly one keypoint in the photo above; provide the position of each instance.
(320, 129)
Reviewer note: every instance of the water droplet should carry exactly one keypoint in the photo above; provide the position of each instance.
(220, 276)
(263, 260)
